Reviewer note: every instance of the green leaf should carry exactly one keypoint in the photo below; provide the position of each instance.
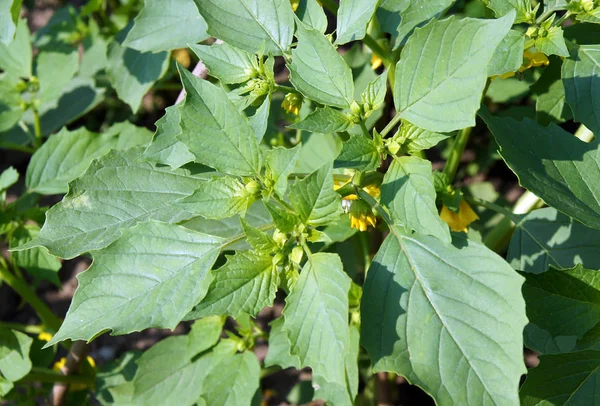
(8, 177)
(65, 156)
(14, 354)
(283, 219)
(10, 101)
(258, 239)
(563, 379)
(570, 296)
(131, 72)
(311, 13)
(94, 58)
(315, 317)
(553, 164)
(408, 192)
(117, 191)
(166, 25)
(502, 7)
(52, 80)
(151, 276)
(280, 164)
(318, 71)
(352, 19)
(373, 96)
(415, 139)
(436, 314)
(9, 16)
(546, 237)
(260, 120)
(314, 198)
(15, 57)
(360, 153)
(38, 262)
(172, 362)
(247, 283)
(166, 147)
(508, 56)
(250, 24)
(590, 17)
(324, 120)
(550, 104)
(316, 149)
(580, 73)
(235, 383)
(218, 198)
(227, 63)
(553, 43)
(279, 352)
(443, 69)
(215, 131)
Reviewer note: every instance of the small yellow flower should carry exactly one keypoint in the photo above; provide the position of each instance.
(533, 60)
(295, 4)
(292, 103)
(459, 221)
(376, 61)
(362, 221)
(44, 336)
(182, 56)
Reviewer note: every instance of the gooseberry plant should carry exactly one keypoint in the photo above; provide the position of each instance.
(310, 128)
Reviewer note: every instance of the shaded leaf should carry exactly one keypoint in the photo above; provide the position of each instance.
(359, 152)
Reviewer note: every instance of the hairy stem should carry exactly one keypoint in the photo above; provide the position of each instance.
(457, 151)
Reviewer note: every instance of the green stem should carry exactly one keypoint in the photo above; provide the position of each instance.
(375, 205)
(364, 245)
(457, 151)
(584, 134)
(561, 20)
(364, 129)
(492, 206)
(330, 5)
(17, 147)
(37, 128)
(544, 16)
(377, 49)
(22, 327)
(50, 320)
(286, 89)
(47, 375)
(390, 126)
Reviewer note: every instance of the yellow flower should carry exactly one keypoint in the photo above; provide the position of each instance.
(362, 221)
(44, 336)
(533, 60)
(459, 221)
(292, 103)
(182, 56)
(58, 365)
(376, 61)
(295, 4)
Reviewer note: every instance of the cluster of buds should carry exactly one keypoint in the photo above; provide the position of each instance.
(292, 103)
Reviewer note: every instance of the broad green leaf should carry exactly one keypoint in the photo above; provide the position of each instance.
(39, 263)
(553, 164)
(215, 131)
(510, 90)
(169, 373)
(117, 191)
(52, 80)
(373, 96)
(247, 283)
(553, 43)
(280, 164)
(260, 120)
(563, 379)
(508, 56)
(152, 276)
(318, 71)
(15, 57)
(316, 149)
(65, 156)
(571, 296)
(94, 57)
(401, 17)
(10, 101)
(235, 383)
(352, 19)
(325, 120)
(546, 237)
(283, 219)
(359, 152)
(9, 16)
(131, 72)
(227, 63)
(414, 139)
(502, 7)
(590, 17)
(8, 177)
(14, 354)
(250, 24)
(311, 13)
(259, 240)
(314, 199)
(550, 104)
(166, 147)
(436, 314)
(555, 5)
(218, 198)
(165, 25)
(580, 73)
(443, 69)
(114, 378)
(408, 192)
(315, 317)
(279, 348)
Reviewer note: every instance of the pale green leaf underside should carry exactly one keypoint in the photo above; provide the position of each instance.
(316, 314)
(408, 192)
(218, 198)
(416, 139)
(227, 63)
(14, 354)
(502, 7)
(553, 43)
(438, 313)
(443, 69)
(352, 19)
(15, 58)
(280, 164)
(151, 276)
(247, 283)
(279, 352)
(324, 120)
(117, 191)
(508, 57)
(312, 15)
(166, 25)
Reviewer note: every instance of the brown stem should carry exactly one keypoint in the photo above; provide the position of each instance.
(201, 71)
(76, 355)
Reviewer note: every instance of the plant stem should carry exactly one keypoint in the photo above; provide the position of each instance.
(37, 128)
(77, 354)
(457, 151)
(50, 320)
(17, 147)
(38, 374)
(286, 89)
(377, 49)
(364, 129)
(375, 205)
(390, 126)
(584, 134)
(22, 327)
